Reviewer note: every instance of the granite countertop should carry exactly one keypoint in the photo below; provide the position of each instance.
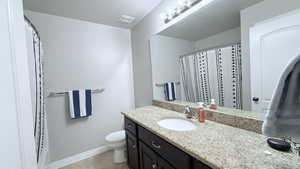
(217, 145)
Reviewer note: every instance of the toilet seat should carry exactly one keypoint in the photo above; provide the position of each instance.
(116, 136)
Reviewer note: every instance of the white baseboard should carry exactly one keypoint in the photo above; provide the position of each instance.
(78, 157)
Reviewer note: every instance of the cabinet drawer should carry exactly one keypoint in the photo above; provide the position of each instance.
(165, 149)
(130, 126)
(199, 165)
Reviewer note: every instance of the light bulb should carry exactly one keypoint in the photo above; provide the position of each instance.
(188, 3)
(181, 2)
(171, 13)
(178, 10)
(163, 16)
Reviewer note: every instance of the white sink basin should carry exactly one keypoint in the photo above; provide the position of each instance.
(177, 124)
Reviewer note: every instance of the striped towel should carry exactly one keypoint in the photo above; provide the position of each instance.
(80, 102)
(169, 89)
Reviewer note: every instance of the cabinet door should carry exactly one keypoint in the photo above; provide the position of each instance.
(163, 164)
(199, 165)
(148, 159)
(132, 151)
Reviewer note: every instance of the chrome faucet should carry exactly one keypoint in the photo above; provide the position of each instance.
(188, 112)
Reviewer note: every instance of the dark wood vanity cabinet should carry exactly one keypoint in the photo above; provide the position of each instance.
(198, 165)
(131, 145)
(132, 151)
(146, 150)
(149, 160)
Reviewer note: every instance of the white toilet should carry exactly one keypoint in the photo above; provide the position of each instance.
(117, 142)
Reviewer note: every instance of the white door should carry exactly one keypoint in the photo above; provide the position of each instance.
(16, 125)
(272, 44)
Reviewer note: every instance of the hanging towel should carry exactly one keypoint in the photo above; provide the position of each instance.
(169, 90)
(80, 103)
(283, 116)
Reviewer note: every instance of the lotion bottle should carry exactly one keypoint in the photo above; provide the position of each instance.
(213, 104)
(201, 112)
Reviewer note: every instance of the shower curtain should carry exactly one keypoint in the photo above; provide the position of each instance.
(213, 74)
(35, 52)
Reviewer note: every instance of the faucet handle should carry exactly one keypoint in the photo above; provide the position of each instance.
(187, 108)
(188, 112)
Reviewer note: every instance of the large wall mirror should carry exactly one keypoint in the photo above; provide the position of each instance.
(204, 58)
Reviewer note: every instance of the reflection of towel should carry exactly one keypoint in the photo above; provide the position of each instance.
(80, 102)
(169, 89)
(283, 117)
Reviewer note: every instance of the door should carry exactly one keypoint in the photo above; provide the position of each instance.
(148, 159)
(132, 151)
(272, 44)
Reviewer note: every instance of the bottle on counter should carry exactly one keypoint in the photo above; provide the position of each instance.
(213, 104)
(201, 112)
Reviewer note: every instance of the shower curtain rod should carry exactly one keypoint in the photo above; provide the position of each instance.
(207, 49)
(33, 27)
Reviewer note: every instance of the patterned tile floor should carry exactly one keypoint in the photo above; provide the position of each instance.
(101, 161)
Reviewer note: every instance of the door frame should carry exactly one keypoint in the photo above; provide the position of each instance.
(20, 74)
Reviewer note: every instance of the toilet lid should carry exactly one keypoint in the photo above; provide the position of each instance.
(116, 136)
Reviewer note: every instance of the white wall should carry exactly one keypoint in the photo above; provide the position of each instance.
(249, 17)
(81, 55)
(220, 39)
(165, 53)
(140, 36)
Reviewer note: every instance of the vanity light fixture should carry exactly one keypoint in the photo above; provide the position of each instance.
(182, 7)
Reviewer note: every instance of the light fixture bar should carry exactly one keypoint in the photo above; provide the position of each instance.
(185, 8)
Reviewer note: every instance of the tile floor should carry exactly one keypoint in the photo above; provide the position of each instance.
(101, 161)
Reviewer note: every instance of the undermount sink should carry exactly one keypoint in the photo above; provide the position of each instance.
(176, 124)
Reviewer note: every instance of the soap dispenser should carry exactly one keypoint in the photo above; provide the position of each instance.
(201, 112)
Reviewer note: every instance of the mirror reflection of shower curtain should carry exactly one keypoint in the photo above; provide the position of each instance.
(194, 70)
(34, 53)
(216, 74)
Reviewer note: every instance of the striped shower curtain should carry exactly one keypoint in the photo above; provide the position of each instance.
(35, 52)
(213, 74)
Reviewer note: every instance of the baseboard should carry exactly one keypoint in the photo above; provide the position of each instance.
(78, 157)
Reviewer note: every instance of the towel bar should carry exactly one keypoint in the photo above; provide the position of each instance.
(161, 84)
(54, 94)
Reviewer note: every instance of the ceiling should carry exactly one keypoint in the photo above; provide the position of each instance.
(217, 17)
(106, 12)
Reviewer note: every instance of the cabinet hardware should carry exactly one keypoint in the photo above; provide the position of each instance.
(155, 145)
(134, 146)
(154, 166)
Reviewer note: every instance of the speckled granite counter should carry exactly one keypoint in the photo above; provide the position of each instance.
(247, 120)
(217, 145)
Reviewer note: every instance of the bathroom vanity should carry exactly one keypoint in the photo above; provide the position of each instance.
(149, 151)
(209, 145)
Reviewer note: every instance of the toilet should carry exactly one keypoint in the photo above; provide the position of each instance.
(117, 142)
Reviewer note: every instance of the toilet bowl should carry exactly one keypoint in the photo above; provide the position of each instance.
(116, 141)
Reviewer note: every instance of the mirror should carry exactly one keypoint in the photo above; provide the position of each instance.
(203, 55)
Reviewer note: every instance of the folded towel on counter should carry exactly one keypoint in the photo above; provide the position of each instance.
(169, 90)
(80, 103)
(283, 116)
